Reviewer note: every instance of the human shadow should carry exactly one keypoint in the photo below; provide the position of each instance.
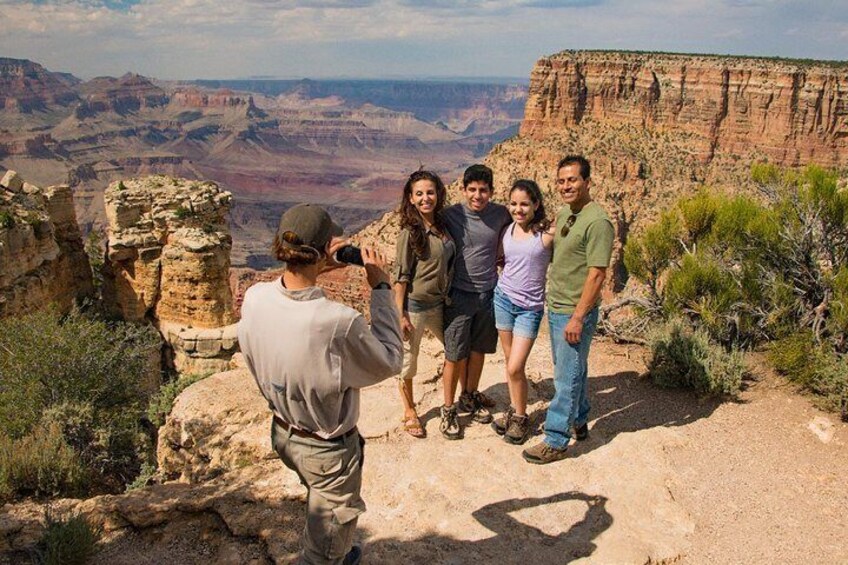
(621, 402)
(514, 541)
(222, 522)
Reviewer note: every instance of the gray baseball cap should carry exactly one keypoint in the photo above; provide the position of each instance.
(311, 223)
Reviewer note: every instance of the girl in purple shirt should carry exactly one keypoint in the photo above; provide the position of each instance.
(520, 299)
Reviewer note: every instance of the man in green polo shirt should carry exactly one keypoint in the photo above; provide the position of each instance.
(582, 251)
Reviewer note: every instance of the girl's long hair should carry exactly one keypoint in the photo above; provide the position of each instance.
(540, 222)
(411, 220)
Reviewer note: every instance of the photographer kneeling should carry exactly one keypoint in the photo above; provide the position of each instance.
(310, 356)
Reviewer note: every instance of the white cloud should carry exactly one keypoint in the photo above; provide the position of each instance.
(230, 38)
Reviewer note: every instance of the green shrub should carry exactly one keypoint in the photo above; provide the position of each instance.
(837, 323)
(111, 444)
(163, 401)
(744, 228)
(7, 220)
(68, 540)
(701, 283)
(699, 214)
(40, 464)
(815, 367)
(80, 376)
(46, 359)
(682, 358)
(648, 255)
(181, 213)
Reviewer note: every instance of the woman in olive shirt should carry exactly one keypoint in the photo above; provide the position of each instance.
(425, 254)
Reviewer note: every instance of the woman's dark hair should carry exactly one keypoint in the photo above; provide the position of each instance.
(540, 222)
(411, 220)
(289, 248)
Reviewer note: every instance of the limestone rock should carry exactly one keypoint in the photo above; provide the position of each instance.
(42, 260)
(168, 251)
(218, 424)
(12, 181)
(792, 112)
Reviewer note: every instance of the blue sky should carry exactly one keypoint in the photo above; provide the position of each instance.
(183, 39)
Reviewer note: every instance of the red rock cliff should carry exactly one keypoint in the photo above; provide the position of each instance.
(792, 112)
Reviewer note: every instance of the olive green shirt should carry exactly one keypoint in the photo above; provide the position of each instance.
(588, 243)
(428, 278)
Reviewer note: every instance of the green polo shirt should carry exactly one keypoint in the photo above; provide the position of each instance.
(587, 244)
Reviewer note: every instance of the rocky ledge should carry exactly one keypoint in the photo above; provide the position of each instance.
(168, 261)
(42, 260)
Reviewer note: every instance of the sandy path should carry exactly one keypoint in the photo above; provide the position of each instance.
(664, 477)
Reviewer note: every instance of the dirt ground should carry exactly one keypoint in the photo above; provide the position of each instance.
(665, 477)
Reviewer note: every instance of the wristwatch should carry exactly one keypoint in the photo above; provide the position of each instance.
(383, 286)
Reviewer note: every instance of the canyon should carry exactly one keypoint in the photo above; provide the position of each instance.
(345, 144)
(704, 493)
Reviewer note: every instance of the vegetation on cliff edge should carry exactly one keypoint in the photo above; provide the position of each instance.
(70, 403)
(747, 271)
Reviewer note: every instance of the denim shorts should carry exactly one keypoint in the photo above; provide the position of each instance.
(513, 318)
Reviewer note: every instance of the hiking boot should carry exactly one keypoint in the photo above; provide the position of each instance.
(518, 430)
(481, 414)
(484, 399)
(542, 453)
(581, 432)
(465, 405)
(449, 426)
(501, 423)
(354, 556)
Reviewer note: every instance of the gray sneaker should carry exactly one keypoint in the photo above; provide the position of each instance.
(449, 426)
(481, 414)
(518, 430)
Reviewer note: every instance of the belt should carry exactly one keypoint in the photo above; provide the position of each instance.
(303, 433)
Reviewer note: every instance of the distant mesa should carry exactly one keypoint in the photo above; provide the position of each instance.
(27, 87)
(792, 112)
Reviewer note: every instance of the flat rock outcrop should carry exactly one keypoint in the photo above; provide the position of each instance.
(793, 112)
(42, 260)
(168, 261)
(665, 477)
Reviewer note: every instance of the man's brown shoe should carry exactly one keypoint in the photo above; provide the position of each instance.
(542, 453)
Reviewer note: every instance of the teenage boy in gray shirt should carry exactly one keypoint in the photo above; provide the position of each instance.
(476, 227)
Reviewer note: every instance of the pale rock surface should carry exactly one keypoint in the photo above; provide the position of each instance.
(42, 260)
(665, 477)
(168, 260)
(218, 424)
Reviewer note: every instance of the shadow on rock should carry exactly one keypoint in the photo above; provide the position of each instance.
(621, 402)
(513, 542)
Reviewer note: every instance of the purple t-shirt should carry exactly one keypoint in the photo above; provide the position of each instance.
(525, 269)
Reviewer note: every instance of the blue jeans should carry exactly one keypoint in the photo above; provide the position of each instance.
(570, 405)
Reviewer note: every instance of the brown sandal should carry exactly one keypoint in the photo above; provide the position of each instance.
(413, 427)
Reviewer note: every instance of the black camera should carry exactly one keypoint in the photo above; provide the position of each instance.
(349, 255)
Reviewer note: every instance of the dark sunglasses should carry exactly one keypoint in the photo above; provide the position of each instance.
(567, 225)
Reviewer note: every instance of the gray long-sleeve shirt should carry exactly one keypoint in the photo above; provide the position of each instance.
(310, 355)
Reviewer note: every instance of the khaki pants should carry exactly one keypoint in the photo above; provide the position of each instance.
(331, 470)
(427, 320)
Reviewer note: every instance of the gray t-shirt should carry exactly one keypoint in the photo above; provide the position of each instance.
(476, 236)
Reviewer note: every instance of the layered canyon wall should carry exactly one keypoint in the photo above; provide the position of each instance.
(168, 261)
(791, 112)
(42, 259)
